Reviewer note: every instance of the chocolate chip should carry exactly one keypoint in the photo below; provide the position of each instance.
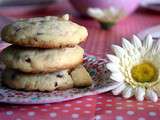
(42, 21)
(70, 71)
(35, 39)
(56, 84)
(17, 29)
(59, 75)
(28, 60)
(60, 46)
(40, 33)
(13, 76)
(31, 22)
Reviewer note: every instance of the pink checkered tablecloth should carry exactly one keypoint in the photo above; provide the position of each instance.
(99, 107)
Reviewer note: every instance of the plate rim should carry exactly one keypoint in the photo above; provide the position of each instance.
(149, 30)
(102, 90)
(147, 6)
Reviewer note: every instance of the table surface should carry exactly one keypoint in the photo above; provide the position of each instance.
(102, 106)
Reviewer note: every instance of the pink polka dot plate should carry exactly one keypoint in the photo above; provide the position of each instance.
(96, 68)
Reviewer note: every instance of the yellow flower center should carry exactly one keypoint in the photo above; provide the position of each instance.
(144, 72)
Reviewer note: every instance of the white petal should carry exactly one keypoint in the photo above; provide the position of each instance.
(133, 52)
(114, 11)
(113, 67)
(113, 58)
(95, 12)
(156, 47)
(156, 60)
(117, 76)
(147, 43)
(128, 92)
(119, 89)
(151, 95)
(126, 44)
(119, 51)
(111, 86)
(140, 93)
(135, 57)
(136, 42)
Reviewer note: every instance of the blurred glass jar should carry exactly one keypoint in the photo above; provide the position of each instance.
(128, 6)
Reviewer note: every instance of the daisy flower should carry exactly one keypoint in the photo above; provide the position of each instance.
(107, 17)
(135, 68)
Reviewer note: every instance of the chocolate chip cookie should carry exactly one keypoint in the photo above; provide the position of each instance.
(37, 60)
(41, 82)
(44, 32)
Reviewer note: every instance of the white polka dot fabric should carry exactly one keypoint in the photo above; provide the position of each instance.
(101, 107)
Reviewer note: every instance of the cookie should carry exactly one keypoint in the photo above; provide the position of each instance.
(81, 77)
(36, 60)
(41, 82)
(44, 32)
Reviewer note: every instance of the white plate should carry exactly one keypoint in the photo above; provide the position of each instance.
(150, 4)
(97, 70)
(154, 31)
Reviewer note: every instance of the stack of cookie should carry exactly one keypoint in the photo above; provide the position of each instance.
(44, 55)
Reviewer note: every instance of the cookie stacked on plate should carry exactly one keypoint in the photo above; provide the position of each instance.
(45, 55)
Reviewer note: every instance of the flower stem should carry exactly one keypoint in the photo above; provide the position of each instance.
(106, 25)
